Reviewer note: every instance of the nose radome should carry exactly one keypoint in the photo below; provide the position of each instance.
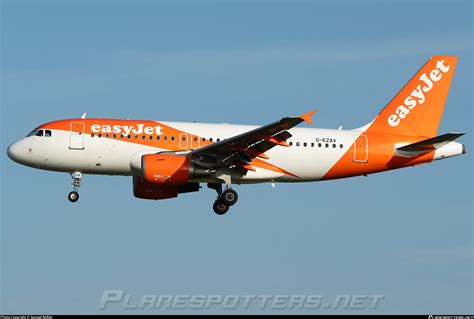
(13, 152)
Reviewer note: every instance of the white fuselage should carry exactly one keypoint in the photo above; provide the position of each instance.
(313, 154)
(307, 157)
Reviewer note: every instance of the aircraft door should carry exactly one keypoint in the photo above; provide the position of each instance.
(195, 142)
(361, 148)
(183, 141)
(76, 137)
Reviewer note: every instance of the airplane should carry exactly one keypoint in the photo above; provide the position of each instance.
(166, 159)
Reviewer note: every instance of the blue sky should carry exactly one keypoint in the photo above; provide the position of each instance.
(407, 234)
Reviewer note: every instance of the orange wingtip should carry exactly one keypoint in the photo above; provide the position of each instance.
(307, 117)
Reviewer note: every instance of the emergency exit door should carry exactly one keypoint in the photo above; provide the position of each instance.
(361, 148)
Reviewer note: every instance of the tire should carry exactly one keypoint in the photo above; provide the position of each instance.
(220, 208)
(73, 196)
(229, 197)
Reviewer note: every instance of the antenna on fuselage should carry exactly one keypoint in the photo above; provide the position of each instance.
(84, 115)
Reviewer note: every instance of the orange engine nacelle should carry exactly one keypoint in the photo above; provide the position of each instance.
(165, 169)
(171, 170)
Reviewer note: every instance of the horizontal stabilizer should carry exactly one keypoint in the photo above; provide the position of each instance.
(427, 145)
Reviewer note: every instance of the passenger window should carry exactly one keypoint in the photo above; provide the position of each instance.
(107, 135)
(157, 137)
(210, 140)
(172, 138)
(203, 139)
(333, 145)
(341, 146)
(115, 135)
(297, 143)
(195, 139)
(128, 136)
(143, 137)
(305, 144)
(100, 135)
(291, 143)
(312, 144)
(151, 137)
(165, 138)
(92, 134)
(121, 135)
(47, 133)
(327, 145)
(39, 133)
(183, 139)
(218, 139)
(319, 144)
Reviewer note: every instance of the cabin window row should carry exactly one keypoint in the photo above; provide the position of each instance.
(195, 139)
(151, 137)
(143, 137)
(319, 145)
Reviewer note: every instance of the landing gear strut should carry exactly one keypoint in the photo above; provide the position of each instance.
(74, 195)
(225, 199)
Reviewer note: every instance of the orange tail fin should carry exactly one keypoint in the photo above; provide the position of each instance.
(417, 108)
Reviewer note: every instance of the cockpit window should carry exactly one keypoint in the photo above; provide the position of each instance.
(46, 133)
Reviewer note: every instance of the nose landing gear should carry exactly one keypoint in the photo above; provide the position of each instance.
(224, 199)
(74, 195)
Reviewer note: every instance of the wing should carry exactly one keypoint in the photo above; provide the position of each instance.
(239, 151)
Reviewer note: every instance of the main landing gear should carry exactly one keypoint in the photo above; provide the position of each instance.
(74, 195)
(224, 199)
